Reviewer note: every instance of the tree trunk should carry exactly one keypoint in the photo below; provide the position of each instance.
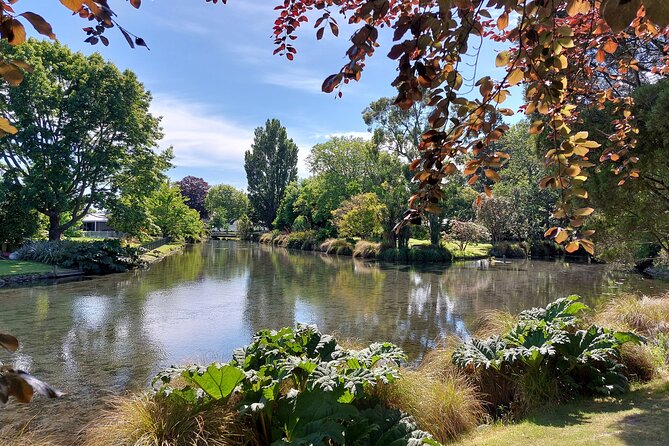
(435, 229)
(55, 230)
(403, 237)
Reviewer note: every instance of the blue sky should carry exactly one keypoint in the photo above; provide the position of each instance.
(214, 79)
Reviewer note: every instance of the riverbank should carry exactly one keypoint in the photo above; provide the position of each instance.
(13, 272)
(158, 254)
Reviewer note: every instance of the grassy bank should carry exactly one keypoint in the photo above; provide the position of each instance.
(10, 268)
(161, 252)
(472, 250)
(637, 418)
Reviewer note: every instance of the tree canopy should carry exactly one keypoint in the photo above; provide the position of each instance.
(270, 166)
(565, 53)
(195, 189)
(226, 204)
(86, 134)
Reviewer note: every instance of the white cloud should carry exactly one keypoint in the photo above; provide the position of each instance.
(295, 78)
(201, 137)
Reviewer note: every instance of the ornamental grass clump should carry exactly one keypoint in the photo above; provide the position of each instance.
(442, 400)
(337, 246)
(549, 355)
(366, 250)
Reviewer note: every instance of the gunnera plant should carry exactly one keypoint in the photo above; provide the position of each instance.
(549, 355)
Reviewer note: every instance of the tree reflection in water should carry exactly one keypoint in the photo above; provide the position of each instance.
(111, 334)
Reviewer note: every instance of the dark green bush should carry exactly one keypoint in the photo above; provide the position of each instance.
(417, 254)
(544, 249)
(510, 250)
(95, 257)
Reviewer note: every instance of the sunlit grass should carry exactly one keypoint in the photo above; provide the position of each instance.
(472, 251)
(9, 268)
(636, 418)
(162, 251)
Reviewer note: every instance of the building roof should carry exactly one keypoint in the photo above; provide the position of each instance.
(96, 217)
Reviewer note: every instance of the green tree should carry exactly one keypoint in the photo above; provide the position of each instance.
(360, 216)
(17, 223)
(637, 213)
(170, 212)
(244, 227)
(86, 133)
(287, 212)
(270, 166)
(226, 204)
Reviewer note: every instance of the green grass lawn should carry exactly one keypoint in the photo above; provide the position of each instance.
(19, 268)
(639, 418)
(162, 250)
(472, 251)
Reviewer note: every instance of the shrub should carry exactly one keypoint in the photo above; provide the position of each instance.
(465, 232)
(300, 224)
(298, 240)
(94, 257)
(298, 386)
(360, 216)
(417, 254)
(543, 249)
(244, 227)
(366, 250)
(547, 356)
(337, 246)
(510, 250)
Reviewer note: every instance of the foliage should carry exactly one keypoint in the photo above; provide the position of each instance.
(131, 216)
(359, 216)
(195, 189)
(548, 356)
(545, 249)
(466, 232)
(270, 166)
(287, 212)
(301, 387)
(244, 227)
(638, 212)
(94, 257)
(173, 216)
(17, 223)
(300, 223)
(510, 250)
(80, 146)
(417, 254)
(225, 204)
(17, 383)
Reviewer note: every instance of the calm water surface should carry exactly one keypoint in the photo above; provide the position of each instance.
(111, 334)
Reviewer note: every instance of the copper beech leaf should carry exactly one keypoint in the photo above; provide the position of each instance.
(618, 14)
(9, 342)
(41, 26)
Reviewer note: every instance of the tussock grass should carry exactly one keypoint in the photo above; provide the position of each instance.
(645, 315)
(143, 420)
(366, 250)
(267, 237)
(442, 400)
(640, 361)
(23, 437)
(493, 323)
(337, 246)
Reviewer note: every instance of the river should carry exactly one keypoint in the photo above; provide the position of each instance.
(107, 335)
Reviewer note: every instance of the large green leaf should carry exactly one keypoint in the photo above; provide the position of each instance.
(217, 381)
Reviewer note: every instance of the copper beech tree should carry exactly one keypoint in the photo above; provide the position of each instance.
(566, 54)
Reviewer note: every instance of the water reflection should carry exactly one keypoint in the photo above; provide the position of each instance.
(111, 334)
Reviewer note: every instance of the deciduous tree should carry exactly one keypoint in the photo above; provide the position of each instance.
(226, 204)
(195, 189)
(86, 134)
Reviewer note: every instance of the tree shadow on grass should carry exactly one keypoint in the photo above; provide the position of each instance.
(652, 402)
